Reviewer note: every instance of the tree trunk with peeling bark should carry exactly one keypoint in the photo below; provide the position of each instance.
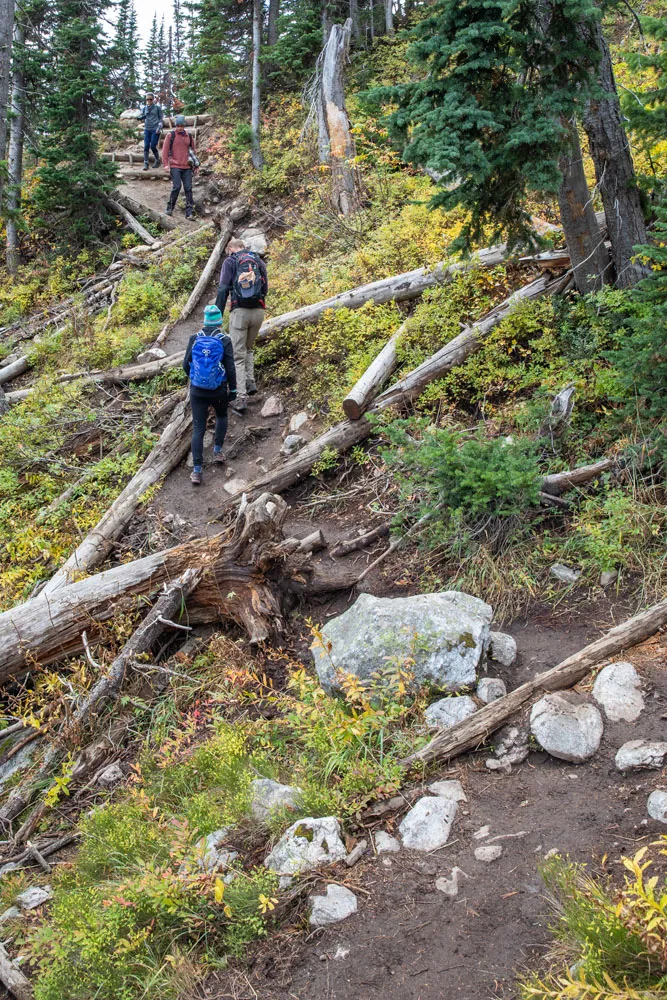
(336, 142)
(15, 153)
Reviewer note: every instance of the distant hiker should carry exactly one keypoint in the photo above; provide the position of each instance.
(151, 116)
(180, 159)
(209, 363)
(244, 276)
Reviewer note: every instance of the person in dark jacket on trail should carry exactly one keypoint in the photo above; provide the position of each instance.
(244, 280)
(152, 117)
(209, 364)
(176, 159)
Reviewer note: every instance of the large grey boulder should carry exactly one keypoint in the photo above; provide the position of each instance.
(335, 905)
(426, 827)
(657, 805)
(445, 635)
(308, 843)
(567, 726)
(268, 796)
(637, 754)
(448, 711)
(618, 688)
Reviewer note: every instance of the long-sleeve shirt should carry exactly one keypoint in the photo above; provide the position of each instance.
(228, 362)
(176, 148)
(151, 116)
(227, 275)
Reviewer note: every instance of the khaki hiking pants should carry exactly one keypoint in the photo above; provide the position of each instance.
(244, 326)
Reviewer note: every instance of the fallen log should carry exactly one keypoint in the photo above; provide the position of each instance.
(559, 482)
(14, 369)
(130, 220)
(12, 978)
(226, 230)
(171, 447)
(362, 393)
(360, 542)
(399, 288)
(137, 208)
(477, 728)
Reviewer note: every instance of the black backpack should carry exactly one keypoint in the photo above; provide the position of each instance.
(248, 285)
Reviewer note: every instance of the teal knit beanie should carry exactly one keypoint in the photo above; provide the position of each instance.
(212, 316)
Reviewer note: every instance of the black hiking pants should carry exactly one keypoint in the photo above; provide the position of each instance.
(200, 404)
(181, 177)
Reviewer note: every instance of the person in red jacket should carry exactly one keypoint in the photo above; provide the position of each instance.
(176, 159)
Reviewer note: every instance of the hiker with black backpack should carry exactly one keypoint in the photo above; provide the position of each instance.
(180, 159)
(152, 117)
(244, 279)
(209, 363)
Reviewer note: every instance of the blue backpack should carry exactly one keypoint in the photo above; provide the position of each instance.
(206, 368)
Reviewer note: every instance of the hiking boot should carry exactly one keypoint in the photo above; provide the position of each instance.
(169, 210)
(239, 406)
(189, 213)
(195, 478)
(156, 165)
(218, 458)
(251, 389)
(145, 166)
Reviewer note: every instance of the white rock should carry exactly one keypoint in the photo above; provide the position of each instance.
(428, 824)
(292, 443)
(657, 805)
(210, 855)
(33, 897)
(488, 852)
(298, 421)
(502, 648)
(152, 354)
(255, 240)
(209, 438)
(385, 843)
(273, 407)
(483, 832)
(618, 688)
(335, 905)
(445, 635)
(490, 689)
(637, 754)
(268, 796)
(448, 790)
(308, 843)
(110, 776)
(450, 886)
(236, 485)
(11, 914)
(608, 577)
(564, 573)
(448, 711)
(567, 726)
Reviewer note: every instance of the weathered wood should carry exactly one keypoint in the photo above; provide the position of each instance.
(559, 482)
(96, 546)
(336, 142)
(12, 978)
(398, 288)
(133, 223)
(137, 208)
(377, 373)
(360, 542)
(169, 122)
(113, 376)
(477, 728)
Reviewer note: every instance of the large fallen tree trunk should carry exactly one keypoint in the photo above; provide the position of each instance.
(96, 546)
(363, 392)
(559, 482)
(12, 978)
(130, 220)
(399, 288)
(14, 369)
(248, 572)
(226, 230)
(473, 731)
(350, 432)
(137, 208)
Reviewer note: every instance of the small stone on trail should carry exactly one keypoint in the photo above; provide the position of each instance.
(342, 951)
(450, 886)
(235, 485)
(490, 689)
(511, 747)
(292, 443)
(33, 897)
(152, 354)
(298, 421)
(448, 790)
(189, 462)
(553, 853)
(384, 842)
(483, 832)
(308, 843)
(427, 826)
(488, 852)
(356, 853)
(273, 407)
(209, 438)
(502, 648)
(268, 796)
(637, 754)
(567, 726)
(657, 805)
(335, 905)
(618, 688)
(448, 711)
(110, 776)
(608, 577)
(565, 573)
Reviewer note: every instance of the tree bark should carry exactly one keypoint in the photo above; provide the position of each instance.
(15, 157)
(13, 370)
(136, 208)
(589, 259)
(559, 482)
(272, 28)
(354, 18)
(377, 373)
(389, 16)
(6, 37)
(257, 158)
(614, 170)
(12, 978)
(337, 147)
(398, 288)
(134, 225)
(477, 728)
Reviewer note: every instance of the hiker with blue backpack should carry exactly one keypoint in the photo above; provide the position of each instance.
(244, 280)
(209, 363)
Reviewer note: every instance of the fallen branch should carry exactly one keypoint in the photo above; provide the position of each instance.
(360, 542)
(362, 393)
(473, 731)
(12, 978)
(14, 369)
(137, 208)
(130, 220)
(559, 482)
